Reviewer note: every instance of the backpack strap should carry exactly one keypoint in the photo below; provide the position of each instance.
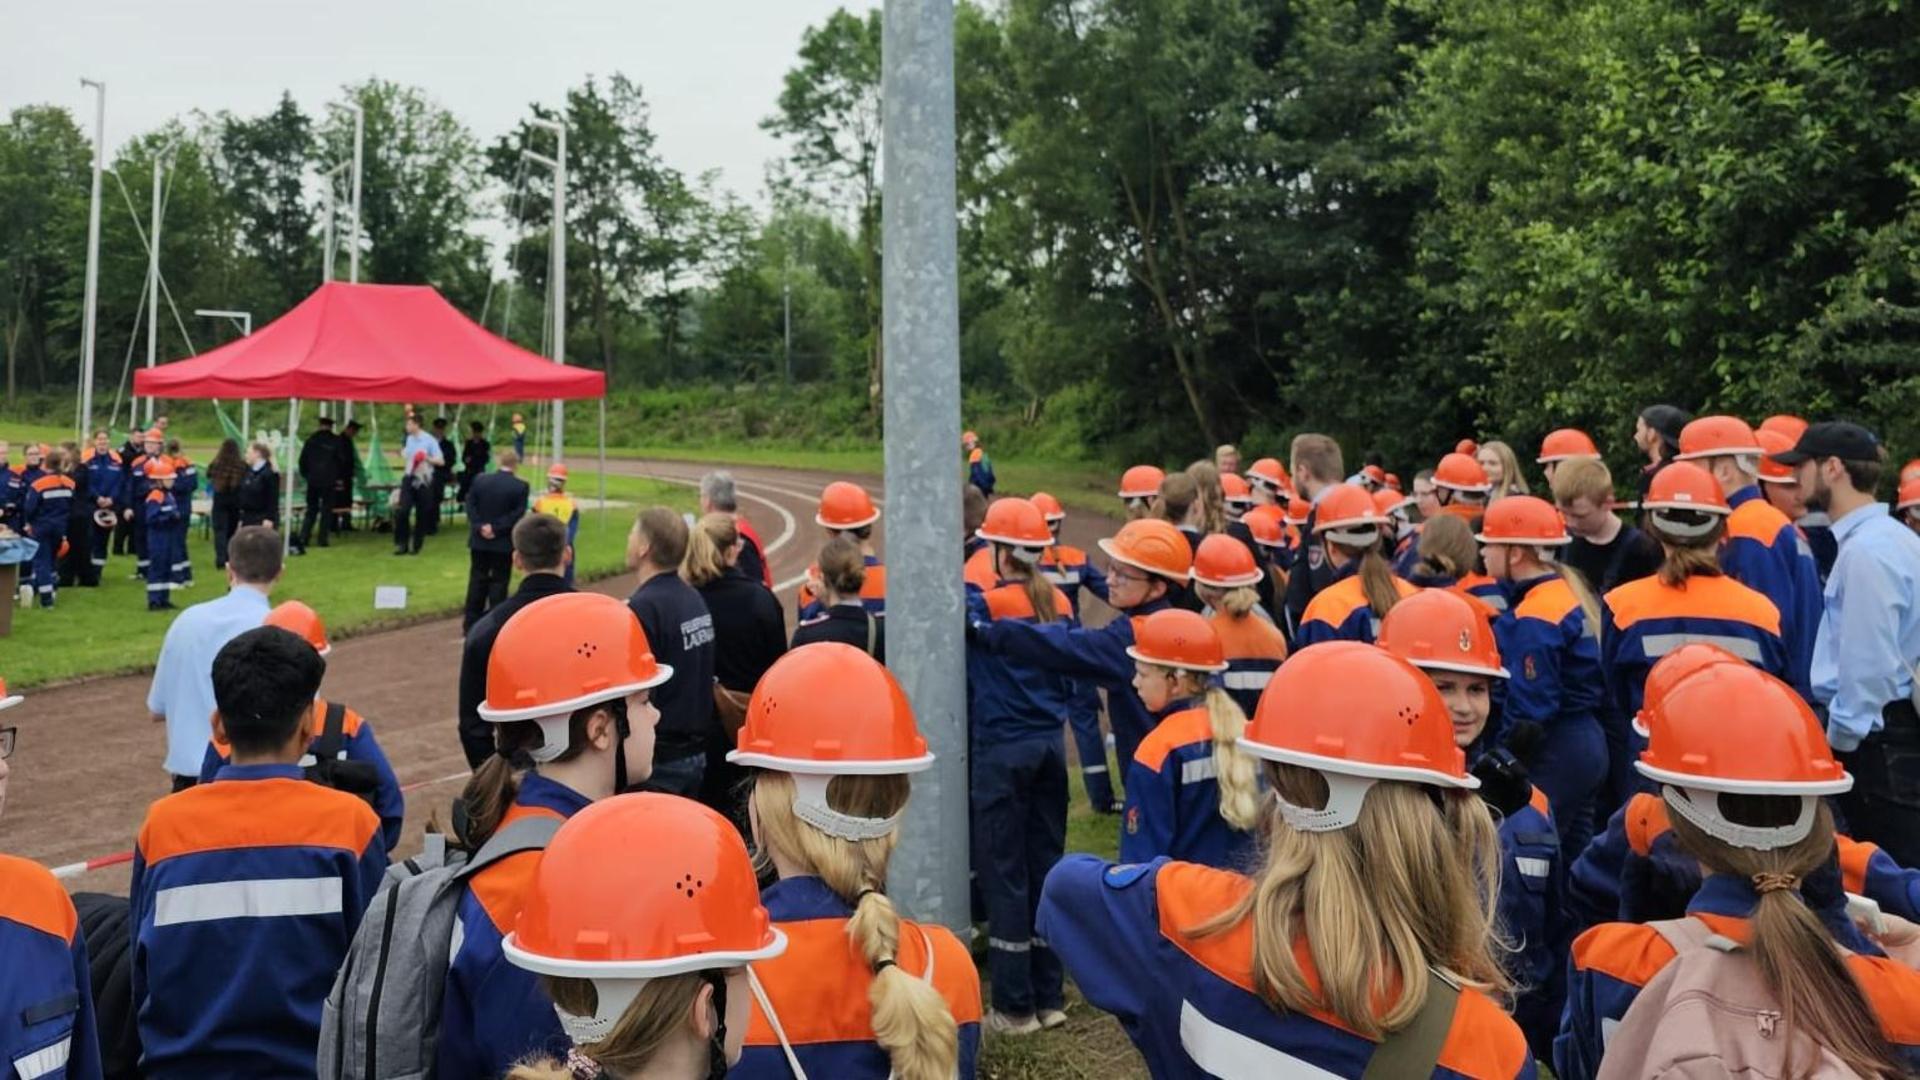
(1414, 1050)
(1691, 935)
(525, 834)
(873, 629)
(333, 734)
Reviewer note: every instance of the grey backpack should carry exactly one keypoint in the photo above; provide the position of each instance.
(382, 1018)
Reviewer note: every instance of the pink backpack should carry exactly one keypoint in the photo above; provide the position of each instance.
(1708, 1016)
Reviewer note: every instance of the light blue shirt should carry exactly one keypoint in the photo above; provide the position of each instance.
(423, 442)
(182, 688)
(1872, 620)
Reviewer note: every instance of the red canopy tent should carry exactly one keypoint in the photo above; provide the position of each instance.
(391, 343)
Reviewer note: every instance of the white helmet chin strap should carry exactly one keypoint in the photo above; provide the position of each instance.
(810, 806)
(1361, 537)
(611, 998)
(553, 738)
(1026, 555)
(1702, 810)
(1675, 527)
(1345, 796)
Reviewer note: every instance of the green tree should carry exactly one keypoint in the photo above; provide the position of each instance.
(44, 161)
(265, 163)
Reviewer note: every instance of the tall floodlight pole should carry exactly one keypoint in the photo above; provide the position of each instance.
(153, 272)
(245, 319)
(920, 338)
(557, 275)
(326, 250)
(89, 318)
(359, 142)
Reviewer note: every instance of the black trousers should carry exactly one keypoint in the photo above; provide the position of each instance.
(437, 499)
(320, 509)
(226, 519)
(410, 518)
(1884, 805)
(487, 575)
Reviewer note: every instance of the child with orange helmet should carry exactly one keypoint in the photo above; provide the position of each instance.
(1461, 487)
(559, 502)
(829, 822)
(1139, 486)
(979, 465)
(1371, 917)
(1363, 587)
(160, 511)
(846, 510)
(1742, 766)
(1069, 570)
(646, 960)
(1565, 444)
(1019, 766)
(569, 686)
(1225, 578)
(1192, 793)
(1448, 637)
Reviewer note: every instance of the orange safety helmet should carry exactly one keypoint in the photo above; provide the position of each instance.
(1523, 519)
(1732, 728)
(1683, 485)
(297, 618)
(1467, 447)
(1269, 473)
(1050, 507)
(1235, 490)
(1347, 515)
(1387, 500)
(1565, 444)
(154, 435)
(1786, 424)
(1774, 441)
(1141, 482)
(1017, 522)
(846, 506)
(1151, 545)
(1716, 436)
(968, 436)
(1225, 563)
(1267, 524)
(8, 701)
(556, 471)
(1909, 494)
(1298, 510)
(1393, 481)
(1670, 670)
(1178, 638)
(561, 654)
(1440, 630)
(1460, 472)
(1910, 470)
(1374, 474)
(592, 911)
(1356, 714)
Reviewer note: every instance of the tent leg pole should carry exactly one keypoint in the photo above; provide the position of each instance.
(246, 418)
(286, 475)
(603, 462)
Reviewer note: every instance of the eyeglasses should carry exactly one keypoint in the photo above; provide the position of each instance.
(1116, 573)
(8, 736)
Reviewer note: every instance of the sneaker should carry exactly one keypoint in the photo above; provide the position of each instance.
(1052, 1018)
(999, 1023)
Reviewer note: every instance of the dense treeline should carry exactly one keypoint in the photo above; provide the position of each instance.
(1182, 221)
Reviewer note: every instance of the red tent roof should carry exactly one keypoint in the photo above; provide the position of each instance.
(371, 343)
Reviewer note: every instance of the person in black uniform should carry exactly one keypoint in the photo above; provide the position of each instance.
(442, 475)
(259, 499)
(680, 629)
(320, 458)
(473, 458)
(540, 552)
(836, 580)
(749, 634)
(494, 506)
(123, 532)
(349, 475)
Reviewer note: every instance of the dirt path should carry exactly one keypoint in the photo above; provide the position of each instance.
(91, 765)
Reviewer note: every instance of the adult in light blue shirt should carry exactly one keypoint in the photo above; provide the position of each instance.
(1869, 636)
(418, 457)
(182, 693)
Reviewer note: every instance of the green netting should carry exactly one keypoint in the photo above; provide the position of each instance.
(373, 470)
(227, 427)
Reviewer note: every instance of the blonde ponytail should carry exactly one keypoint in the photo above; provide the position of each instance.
(911, 1020)
(639, 1035)
(1582, 592)
(1234, 768)
(1376, 580)
(1239, 603)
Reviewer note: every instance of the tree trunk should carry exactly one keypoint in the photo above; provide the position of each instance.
(1149, 276)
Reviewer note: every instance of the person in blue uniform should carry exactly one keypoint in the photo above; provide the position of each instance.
(47, 1025)
(48, 506)
(1762, 548)
(1362, 587)
(979, 465)
(106, 488)
(905, 999)
(1225, 578)
(186, 480)
(159, 512)
(260, 869)
(576, 746)
(1550, 637)
(847, 510)
(1192, 793)
(1449, 638)
(1149, 562)
(1743, 765)
(1018, 769)
(371, 776)
(152, 449)
(1068, 569)
(1321, 959)
(12, 489)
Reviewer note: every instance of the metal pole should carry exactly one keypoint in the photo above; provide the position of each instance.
(326, 245)
(153, 280)
(245, 319)
(359, 139)
(920, 339)
(289, 456)
(90, 319)
(786, 317)
(558, 274)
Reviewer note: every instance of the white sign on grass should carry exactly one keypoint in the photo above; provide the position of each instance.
(389, 597)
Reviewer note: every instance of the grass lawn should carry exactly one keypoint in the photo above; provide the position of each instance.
(109, 631)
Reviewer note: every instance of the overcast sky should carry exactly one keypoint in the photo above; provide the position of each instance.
(711, 69)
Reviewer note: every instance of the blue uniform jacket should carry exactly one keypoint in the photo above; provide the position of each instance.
(1009, 697)
(46, 1001)
(13, 492)
(1069, 569)
(1340, 611)
(1645, 620)
(980, 471)
(1613, 962)
(818, 988)
(245, 895)
(1254, 649)
(160, 514)
(107, 476)
(1765, 552)
(388, 800)
(1551, 654)
(493, 1013)
(1189, 1003)
(1173, 796)
(48, 505)
(186, 479)
(873, 594)
(1532, 911)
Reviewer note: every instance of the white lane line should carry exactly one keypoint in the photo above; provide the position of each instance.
(787, 524)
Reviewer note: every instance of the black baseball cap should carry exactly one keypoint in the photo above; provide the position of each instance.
(1667, 420)
(1832, 438)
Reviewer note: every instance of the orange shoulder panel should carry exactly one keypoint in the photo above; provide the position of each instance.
(1009, 602)
(51, 481)
(819, 985)
(979, 571)
(953, 973)
(875, 587)
(502, 887)
(1854, 855)
(1635, 600)
(256, 813)
(1484, 1040)
(1404, 587)
(1646, 821)
(1893, 989)
(1249, 637)
(1334, 603)
(1065, 555)
(1538, 800)
(1549, 601)
(1184, 727)
(31, 896)
(1629, 952)
(1191, 896)
(1756, 519)
(1459, 588)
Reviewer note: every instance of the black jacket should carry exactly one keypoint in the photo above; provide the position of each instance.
(749, 630)
(443, 472)
(476, 735)
(847, 624)
(680, 629)
(498, 499)
(475, 455)
(320, 457)
(1311, 573)
(259, 497)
